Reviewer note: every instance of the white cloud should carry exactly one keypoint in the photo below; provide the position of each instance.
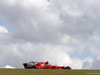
(3, 29)
(87, 63)
(11, 2)
(7, 66)
(72, 11)
(36, 3)
(51, 30)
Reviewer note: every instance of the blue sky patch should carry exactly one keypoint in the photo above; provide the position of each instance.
(2, 22)
(82, 55)
(98, 31)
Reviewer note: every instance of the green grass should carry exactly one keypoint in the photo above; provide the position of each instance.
(47, 72)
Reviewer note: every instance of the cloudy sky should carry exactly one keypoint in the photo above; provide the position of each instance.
(63, 32)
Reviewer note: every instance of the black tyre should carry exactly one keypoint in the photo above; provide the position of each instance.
(67, 67)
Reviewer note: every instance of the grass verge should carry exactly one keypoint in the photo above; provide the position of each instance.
(47, 72)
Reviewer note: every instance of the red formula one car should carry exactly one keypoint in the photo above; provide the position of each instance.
(43, 65)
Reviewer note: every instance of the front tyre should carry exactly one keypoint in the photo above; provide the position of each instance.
(68, 67)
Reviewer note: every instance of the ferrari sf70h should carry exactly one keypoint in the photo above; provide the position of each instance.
(42, 65)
